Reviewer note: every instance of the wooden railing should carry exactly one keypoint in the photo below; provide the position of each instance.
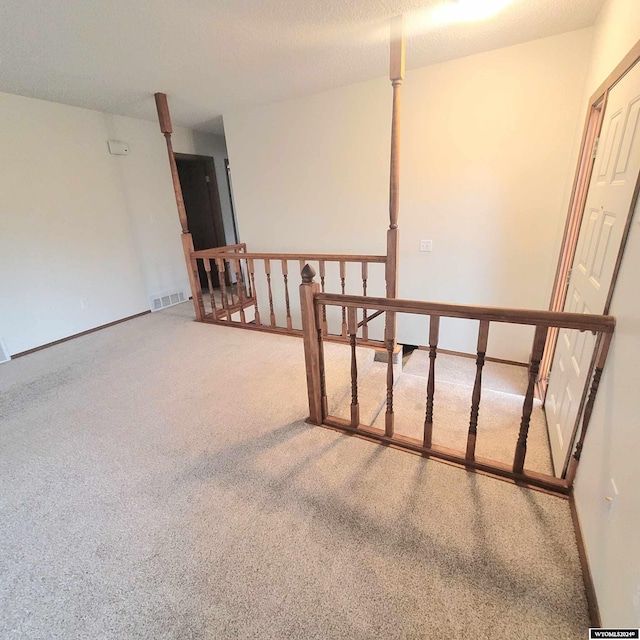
(252, 290)
(313, 301)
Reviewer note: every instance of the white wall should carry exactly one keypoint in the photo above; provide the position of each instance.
(78, 224)
(487, 163)
(612, 444)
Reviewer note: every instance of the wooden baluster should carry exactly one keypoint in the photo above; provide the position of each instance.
(434, 330)
(285, 275)
(323, 381)
(389, 334)
(539, 340)
(353, 329)
(240, 288)
(232, 277)
(602, 347)
(308, 290)
(483, 337)
(302, 263)
(207, 268)
(248, 290)
(324, 307)
(223, 286)
(344, 309)
(267, 270)
(365, 326)
(252, 282)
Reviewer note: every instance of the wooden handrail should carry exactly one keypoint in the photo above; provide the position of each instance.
(228, 248)
(542, 320)
(331, 257)
(580, 321)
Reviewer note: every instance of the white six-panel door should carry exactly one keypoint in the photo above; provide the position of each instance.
(608, 203)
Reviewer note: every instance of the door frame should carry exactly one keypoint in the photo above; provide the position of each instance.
(214, 194)
(591, 133)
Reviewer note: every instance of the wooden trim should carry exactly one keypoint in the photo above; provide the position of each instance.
(575, 214)
(620, 70)
(164, 117)
(623, 245)
(332, 257)
(78, 335)
(580, 321)
(587, 576)
(227, 170)
(293, 333)
(463, 354)
(531, 479)
(194, 157)
(229, 248)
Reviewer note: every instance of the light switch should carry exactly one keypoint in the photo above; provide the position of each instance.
(426, 245)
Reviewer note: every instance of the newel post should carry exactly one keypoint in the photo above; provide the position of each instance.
(312, 336)
(396, 75)
(164, 119)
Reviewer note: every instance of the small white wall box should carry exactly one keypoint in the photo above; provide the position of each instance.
(118, 148)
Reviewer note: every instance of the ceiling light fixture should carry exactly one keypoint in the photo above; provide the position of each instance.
(454, 11)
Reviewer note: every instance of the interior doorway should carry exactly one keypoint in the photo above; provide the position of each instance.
(605, 209)
(202, 204)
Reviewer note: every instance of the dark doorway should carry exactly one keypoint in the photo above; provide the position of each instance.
(202, 203)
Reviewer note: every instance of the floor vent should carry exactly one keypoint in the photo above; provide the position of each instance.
(164, 300)
(4, 352)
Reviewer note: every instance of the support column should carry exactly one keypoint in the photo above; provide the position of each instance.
(396, 74)
(164, 118)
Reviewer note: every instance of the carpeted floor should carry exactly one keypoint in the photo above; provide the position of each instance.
(159, 481)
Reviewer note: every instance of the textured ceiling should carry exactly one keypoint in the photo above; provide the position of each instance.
(211, 56)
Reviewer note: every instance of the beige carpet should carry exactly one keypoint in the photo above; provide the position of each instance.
(159, 481)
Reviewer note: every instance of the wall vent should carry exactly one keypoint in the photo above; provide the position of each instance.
(168, 299)
(4, 352)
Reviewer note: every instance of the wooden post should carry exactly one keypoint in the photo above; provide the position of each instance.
(396, 75)
(321, 264)
(603, 350)
(308, 289)
(164, 118)
(222, 277)
(434, 332)
(267, 271)
(207, 268)
(353, 329)
(285, 277)
(539, 340)
(365, 322)
(483, 337)
(389, 339)
(343, 274)
(254, 293)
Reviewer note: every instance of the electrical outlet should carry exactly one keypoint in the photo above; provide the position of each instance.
(84, 303)
(426, 245)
